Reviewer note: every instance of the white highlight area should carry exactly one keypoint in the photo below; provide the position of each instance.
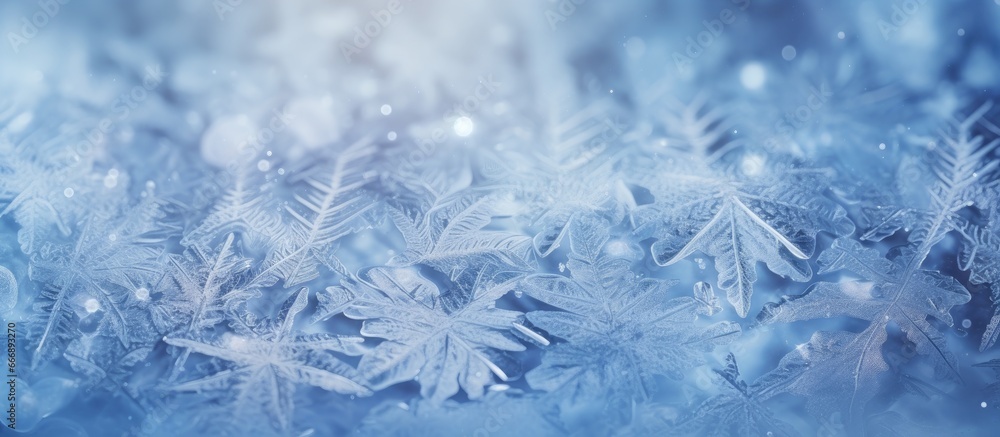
(463, 126)
(753, 76)
(222, 141)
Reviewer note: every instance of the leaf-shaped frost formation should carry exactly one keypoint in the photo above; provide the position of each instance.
(893, 291)
(739, 410)
(33, 180)
(243, 208)
(334, 206)
(573, 173)
(450, 236)
(206, 286)
(445, 339)
(266, 366)
(96, 278)
(616, 324)
(759, 212)
(964, 176)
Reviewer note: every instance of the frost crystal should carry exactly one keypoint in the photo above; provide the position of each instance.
(511, 218)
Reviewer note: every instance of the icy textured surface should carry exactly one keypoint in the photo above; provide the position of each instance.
(730, 217)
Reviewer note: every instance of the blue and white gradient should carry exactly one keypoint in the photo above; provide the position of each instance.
(500, 218)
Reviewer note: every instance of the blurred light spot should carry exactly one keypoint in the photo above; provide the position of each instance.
(752, 165)
(263, 165)
(91, 305)
(753, 76)
(463, 126)
(788, 53)
(142, 293)
(961, 32)
(881, 146)
(68, 192)
(617, 248)
(966, 323)
(635, 47)
(391, 136)
(983, 404)
(224, 138)
(841, 35)
(386, 109)
(235, 342)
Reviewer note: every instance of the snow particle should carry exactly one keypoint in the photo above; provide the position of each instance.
(386, 109)
(881, 146)
(983, 404)
(966, 323)
(91, 305)
(68, 192)
(788, 53)
(463, 126)
(391, 136)
(841, 35)
(617, 248)
(961, 32)
(753, 76)
(142, 293)
(263, 165)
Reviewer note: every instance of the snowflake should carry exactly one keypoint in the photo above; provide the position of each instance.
(445, 339)
(267, 365)
(620, 330)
